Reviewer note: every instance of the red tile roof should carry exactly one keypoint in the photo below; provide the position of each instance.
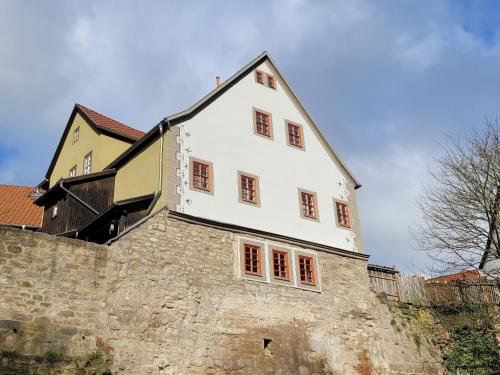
(111, 125)
(466, 275)
(17, 208)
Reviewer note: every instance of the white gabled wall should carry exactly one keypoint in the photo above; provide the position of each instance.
(223, 134)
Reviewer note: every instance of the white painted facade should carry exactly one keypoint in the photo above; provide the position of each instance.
(223, 134)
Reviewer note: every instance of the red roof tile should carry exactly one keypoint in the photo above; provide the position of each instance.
(17, 208)
(466, 275)
(111, 125)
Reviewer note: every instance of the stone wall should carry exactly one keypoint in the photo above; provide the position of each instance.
(166, 299)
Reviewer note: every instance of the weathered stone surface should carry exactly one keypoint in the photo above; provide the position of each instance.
(165, 299)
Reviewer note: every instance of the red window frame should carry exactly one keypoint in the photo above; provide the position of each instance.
(271, 82)
(201, 176)
(248, 189)
(307, 270)
(281, 270)
(295, 135)
(259, 77)
(252, 259)
(263, 123)
(309, 207)
(343, 217)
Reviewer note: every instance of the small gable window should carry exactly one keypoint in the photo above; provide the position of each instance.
(270, 82)
(343, 218)
(87, 163)
(306, 270)
(201, 175)
(259, 77)
(295, 137)
(249, 191)
(72, 171)
(252, 259)
(280, 265)
(76, 135)
(308, 203)
(262, 123)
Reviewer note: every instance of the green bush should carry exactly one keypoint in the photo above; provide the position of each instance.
(473, 352)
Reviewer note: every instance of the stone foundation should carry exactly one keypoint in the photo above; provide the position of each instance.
(167, 299)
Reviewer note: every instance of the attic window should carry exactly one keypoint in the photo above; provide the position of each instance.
(259, 77)
(76, 135)
(270, 81)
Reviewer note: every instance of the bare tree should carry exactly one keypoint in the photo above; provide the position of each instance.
(460, 210)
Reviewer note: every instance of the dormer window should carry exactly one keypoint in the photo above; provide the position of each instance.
(76, 135)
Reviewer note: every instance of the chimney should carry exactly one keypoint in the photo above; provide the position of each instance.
(217, 81)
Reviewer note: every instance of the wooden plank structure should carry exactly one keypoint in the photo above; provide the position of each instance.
(383, 280)
(418, 291)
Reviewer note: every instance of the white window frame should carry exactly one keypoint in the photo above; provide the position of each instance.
(87, 163)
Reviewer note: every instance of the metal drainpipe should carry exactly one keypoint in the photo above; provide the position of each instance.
(77, 199)
(157, 195)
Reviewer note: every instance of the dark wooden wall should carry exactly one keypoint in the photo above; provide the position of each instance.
(71, 214)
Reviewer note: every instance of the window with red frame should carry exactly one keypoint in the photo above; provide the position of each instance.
(252, 261)
(259, 77)
(295, 135)
(343, 214)
(280, 265)
(306, 270)
(248, 189)
(263, 123)
(270, 82)
(201, 176)
(308, 205)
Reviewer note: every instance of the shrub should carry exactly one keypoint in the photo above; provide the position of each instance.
(52, 356)
(96, 355)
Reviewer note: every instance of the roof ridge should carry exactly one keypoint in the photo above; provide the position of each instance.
(127, 130)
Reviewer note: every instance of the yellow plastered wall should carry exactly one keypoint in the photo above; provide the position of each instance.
(140, 175)
(104, 150)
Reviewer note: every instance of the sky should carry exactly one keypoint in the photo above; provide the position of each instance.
(386, 81)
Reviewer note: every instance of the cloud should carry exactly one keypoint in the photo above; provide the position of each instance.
(385, 80)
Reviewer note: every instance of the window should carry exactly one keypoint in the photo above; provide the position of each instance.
(308, 204)
(76, 135)
(343, 218)
(259, 77)
(249, 191)
(87, 163)
(54, 212)
(200, 176)
(280, 265)
(270, 82)
(72, 171)
(263, 124)
(306, 270)
(252, 259)
(295, 135)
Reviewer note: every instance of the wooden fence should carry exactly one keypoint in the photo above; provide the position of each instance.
(416, 290)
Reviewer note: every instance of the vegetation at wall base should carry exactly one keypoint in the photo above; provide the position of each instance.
(474, 350)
